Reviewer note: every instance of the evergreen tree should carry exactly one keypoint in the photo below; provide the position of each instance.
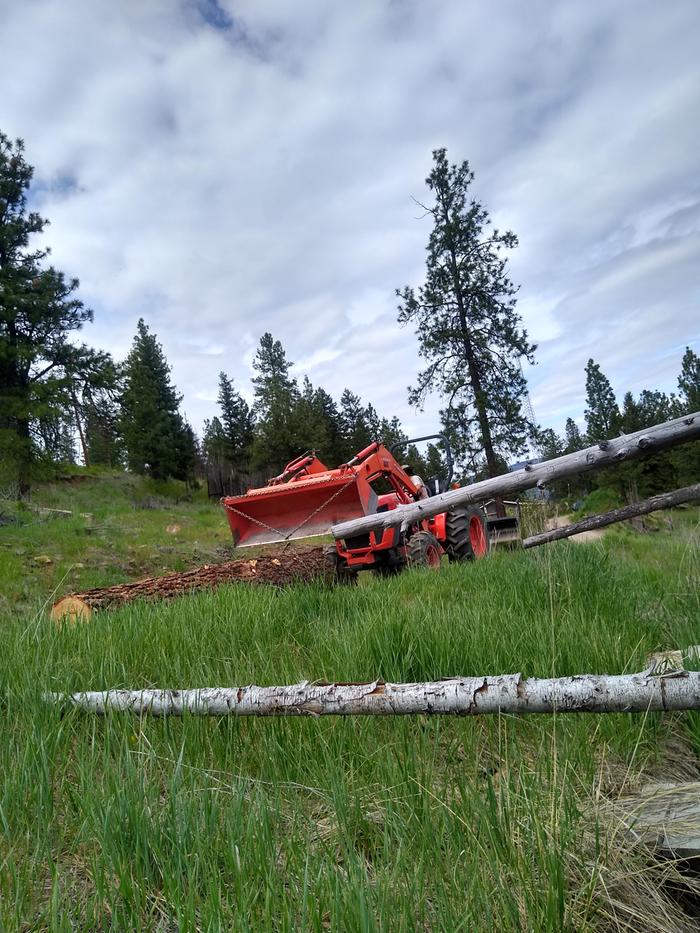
(574, 440)
(656, 473)
(39, 314)
(686, 458)
(602, 414)
(353, 424)
(689, 381)
(187, 452)
(214, 446)
(276, 397)
(468, 329)
(550, 444)
(373, 422)
(391, 432)
(94, 401)
(153, 429)
(316, 423)
(237, 422)
(326, 413)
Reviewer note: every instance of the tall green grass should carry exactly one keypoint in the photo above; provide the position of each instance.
(349, 824)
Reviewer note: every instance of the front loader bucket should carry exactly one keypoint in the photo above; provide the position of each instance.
(298, 509)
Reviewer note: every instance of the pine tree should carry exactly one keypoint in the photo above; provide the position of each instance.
(214, 446)
(574, 440)
(276, 397)
(354, 429)
(686, 458)
(468, 329)
(602, 414)
(315, 423)
(39, 315)
(391, 432)
(152, 427)
(656, 473)
(94, 402)
(237, 422)
(550, 444)
(373, 422)
(326, 413)
(689, 381)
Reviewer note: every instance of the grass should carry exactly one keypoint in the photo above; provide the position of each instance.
(315, 824)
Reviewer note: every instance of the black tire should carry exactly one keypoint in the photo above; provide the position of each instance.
(423, 550)
(459, 525)
(338, 571)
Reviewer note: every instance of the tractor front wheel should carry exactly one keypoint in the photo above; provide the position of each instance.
(337, 568)
(467, 534)
(423, 550)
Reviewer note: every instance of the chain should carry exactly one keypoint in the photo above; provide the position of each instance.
(256, 521)
(301, 524)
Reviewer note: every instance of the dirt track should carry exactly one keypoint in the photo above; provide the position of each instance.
(561, 521)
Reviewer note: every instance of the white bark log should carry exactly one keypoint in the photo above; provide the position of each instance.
(619, 449)
(465, 696)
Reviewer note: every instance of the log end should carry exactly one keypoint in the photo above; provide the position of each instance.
(70, 609)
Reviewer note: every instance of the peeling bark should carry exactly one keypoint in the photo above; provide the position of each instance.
(462, 696)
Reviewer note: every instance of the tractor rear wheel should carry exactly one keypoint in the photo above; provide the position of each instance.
(337, 568)
(467, 534)
(423, 550)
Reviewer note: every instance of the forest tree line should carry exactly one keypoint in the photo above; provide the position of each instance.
(62, 401)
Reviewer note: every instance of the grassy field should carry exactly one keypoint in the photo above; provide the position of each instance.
(315, 824)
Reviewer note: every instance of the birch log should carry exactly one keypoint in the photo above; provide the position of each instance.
(462, 696)
(664, 501)
(607, 453)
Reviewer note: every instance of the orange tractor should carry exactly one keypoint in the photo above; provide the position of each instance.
(307, 498)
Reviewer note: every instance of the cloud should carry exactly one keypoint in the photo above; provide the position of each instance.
(226, 167)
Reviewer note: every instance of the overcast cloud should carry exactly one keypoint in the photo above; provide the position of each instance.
(223, 169)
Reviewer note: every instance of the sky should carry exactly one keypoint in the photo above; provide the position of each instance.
(224, 168)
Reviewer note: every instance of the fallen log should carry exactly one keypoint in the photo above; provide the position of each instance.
(607, 453)
(462, 696)
(664, 501)
(291, 567)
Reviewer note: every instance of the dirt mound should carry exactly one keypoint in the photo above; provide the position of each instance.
(291, 567)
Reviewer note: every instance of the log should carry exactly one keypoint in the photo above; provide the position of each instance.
(607, 453)
(463, 696)
(292, 567)
(664, 501)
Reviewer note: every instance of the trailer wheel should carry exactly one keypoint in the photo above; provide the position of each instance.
(423, 550)
(337, 568)
(467, 534)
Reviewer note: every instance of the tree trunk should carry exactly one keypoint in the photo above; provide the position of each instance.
(79, 424)
(463, 696)
(665, 501)
(607, 453)
(24, 462)
(475, 379)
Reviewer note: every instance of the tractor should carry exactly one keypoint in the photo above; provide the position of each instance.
(307, 498)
